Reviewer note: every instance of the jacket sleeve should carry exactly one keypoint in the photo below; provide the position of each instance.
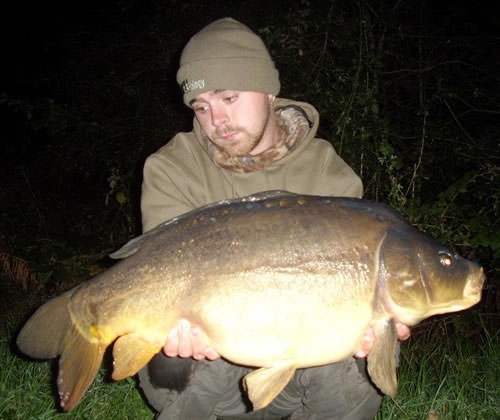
(165, 193)
(341, 178)
(331, 175)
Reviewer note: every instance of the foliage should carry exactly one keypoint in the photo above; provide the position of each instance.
(17, 270)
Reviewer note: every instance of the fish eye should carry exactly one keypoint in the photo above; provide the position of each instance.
(445, 259)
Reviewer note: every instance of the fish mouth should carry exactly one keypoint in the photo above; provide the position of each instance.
(474, 286)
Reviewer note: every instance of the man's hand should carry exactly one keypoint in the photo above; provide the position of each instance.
(186, 341)
(367, 341)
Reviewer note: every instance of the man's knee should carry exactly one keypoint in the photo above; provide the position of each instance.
(169, 372)
(340, 390)
(157, 397)
(212, 388)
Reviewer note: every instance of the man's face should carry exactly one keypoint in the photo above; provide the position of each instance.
(239, 122)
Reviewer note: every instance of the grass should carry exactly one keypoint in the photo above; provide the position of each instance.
(450, 369)
(27, 391)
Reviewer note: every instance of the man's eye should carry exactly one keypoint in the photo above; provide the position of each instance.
(230, 99)
(200, 109)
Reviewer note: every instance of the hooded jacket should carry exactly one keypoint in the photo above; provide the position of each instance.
(183, 175)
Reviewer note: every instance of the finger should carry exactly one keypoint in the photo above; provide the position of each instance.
(197, 344)
(200, 350)
(366, 344)
(185, 347)
(360, 354)
(211, 354)
(403, 331)
(172, 344)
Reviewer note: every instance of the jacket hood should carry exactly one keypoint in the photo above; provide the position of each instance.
(299, 122)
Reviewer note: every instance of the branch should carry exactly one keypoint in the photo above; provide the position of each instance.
(429, 68)
(458, 122)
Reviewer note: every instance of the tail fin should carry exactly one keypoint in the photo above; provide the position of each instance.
(42, 336)
(50, 333)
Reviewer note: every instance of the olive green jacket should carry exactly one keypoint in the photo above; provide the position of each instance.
(181, 176)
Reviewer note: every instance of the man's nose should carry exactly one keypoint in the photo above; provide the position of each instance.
(219, 116)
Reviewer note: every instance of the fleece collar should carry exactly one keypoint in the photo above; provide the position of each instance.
(294, 127)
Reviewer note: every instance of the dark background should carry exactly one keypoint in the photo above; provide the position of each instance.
(408, 93)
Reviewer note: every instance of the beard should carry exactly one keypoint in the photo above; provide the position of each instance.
(241, 146)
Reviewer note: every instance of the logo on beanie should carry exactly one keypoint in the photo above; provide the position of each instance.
(188, 86)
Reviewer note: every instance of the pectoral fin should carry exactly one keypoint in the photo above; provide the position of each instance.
(264, 384)
(130, 354)
(382, 358)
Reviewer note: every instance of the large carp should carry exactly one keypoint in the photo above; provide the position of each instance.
(275, 280)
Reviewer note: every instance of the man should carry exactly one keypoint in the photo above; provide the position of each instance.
(244, 140)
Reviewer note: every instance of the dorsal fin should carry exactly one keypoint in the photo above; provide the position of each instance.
(132, 246)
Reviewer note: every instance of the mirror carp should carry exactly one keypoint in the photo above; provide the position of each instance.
(276, 280)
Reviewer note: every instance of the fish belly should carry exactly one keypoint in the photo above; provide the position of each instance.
(260, 330)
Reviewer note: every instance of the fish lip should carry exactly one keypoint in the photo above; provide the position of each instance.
(474, 286)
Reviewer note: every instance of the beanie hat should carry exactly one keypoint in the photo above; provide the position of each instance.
(226, 55)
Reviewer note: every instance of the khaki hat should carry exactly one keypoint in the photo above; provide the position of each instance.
(226, 55)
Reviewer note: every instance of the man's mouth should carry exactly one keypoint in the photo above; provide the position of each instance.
(229, 137)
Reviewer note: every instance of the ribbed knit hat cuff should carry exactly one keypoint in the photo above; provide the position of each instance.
(229, 74)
